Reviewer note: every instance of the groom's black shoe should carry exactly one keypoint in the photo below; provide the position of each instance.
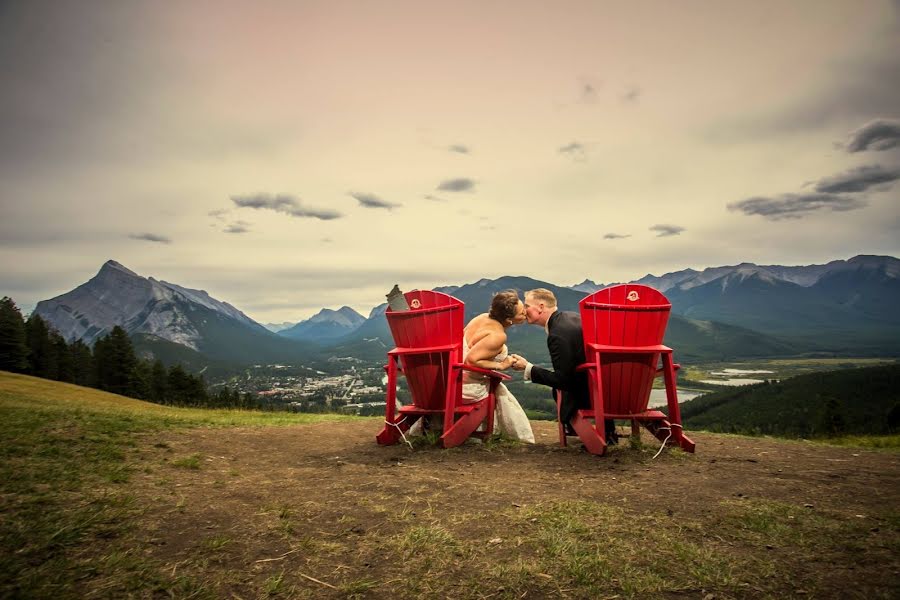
(612, 437)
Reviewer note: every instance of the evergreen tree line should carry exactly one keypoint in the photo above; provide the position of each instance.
(34, 348)
(858, 401)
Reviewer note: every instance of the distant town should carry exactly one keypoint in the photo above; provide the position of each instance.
(350, 385)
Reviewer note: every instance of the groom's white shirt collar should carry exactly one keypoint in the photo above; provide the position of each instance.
(527, 374)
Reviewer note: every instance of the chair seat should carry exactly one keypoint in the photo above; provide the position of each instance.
(415, 410)
(645, 415)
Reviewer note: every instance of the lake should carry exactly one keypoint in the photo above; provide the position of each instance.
(658, 397)
(728, 376)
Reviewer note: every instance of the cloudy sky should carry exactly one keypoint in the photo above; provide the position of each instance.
(289, 156)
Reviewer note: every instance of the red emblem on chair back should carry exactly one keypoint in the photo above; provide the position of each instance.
(434, 319)
(625, 315)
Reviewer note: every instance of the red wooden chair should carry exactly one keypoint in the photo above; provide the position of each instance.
(623, 329)
(428, 353)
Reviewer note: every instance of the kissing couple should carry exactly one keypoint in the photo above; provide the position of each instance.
(484, 345)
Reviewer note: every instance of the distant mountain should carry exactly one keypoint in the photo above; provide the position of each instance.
(842, 306)
(692, 339)
(805, 276)
(327, 324)
(276, 327)
(165, 311)
(587, 286)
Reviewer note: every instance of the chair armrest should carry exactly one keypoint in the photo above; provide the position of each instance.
(489, 372)
(585, 366)
(604, 348)
(427, 350)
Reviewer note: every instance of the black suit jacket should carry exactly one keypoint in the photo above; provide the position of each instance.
(566, 344)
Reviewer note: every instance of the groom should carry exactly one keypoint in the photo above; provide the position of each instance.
(566, 345)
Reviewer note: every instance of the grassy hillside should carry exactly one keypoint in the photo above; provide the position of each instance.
(63, 465)
(850, 401)
(107, 497)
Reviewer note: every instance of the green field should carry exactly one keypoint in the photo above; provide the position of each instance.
(98, 501)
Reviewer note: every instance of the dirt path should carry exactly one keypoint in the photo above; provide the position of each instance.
(328, 496)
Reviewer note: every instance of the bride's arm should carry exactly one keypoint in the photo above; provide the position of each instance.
(482, 353)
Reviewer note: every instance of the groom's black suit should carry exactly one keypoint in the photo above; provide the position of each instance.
(566, 344)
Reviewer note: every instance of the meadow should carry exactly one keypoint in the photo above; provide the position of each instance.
(107, 497)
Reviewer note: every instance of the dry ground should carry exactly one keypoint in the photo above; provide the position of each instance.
(322, 511)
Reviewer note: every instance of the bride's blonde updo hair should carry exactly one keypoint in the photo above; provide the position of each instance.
(504, 306)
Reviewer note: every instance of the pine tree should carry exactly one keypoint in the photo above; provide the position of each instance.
(179, 386)
(159, 383)
(82, 363)
(65, 368)
(13, 349)
(115, 364)
(42, 359)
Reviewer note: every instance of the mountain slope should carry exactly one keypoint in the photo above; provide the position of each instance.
(327, 324)
(850, 401)
(692, 339)
(190, 318)
(848, 307)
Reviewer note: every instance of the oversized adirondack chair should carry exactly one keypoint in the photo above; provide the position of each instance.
(623, 328)
(428, 353)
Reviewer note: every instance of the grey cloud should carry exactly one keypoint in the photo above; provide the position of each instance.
(795, 206)
(461, 184)
(458, 148)
(238, 227)
(286, 204)
(858, 180)
(588, 90)
(373, 201)
(150, 237)
(878, 134)
(667, 230)
(616, 236)
(218, 214)
(434, 198)
(631, 95)
(575, 150)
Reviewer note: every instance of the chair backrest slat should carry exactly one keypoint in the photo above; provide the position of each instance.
(629, 315)
(434, 319)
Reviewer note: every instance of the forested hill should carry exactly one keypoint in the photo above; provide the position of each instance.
(851, 401)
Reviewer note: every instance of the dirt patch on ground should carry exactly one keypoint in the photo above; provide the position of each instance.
(321, 510)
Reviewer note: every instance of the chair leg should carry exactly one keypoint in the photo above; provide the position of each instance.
(672, 400)
(587, 432)
(390, 434)
(635, 430)
(465, 426)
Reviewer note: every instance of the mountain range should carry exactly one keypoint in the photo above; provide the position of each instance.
(163, 318)
(727, 312)
(325, 325)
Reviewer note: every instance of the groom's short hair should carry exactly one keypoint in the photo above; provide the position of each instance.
(543, 295)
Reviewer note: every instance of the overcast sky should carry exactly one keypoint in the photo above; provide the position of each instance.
(289, 156)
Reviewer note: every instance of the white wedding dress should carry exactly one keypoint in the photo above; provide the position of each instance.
(509, 418)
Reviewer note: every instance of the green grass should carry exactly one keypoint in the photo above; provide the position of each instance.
(69, 526)
(64, 469)
(877, 442)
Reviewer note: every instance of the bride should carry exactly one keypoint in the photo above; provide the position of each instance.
(484, 345)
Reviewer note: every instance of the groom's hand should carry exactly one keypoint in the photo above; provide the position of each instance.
(519, 362)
